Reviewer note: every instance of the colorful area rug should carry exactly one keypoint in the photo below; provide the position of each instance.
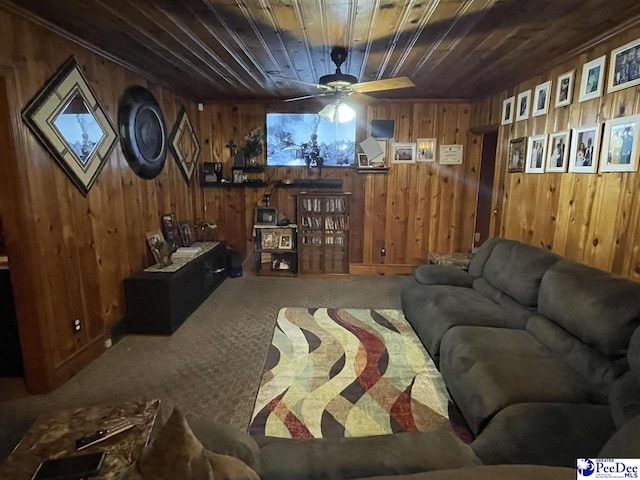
(349, 373)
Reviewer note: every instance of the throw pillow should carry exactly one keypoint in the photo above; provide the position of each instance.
(177, 453)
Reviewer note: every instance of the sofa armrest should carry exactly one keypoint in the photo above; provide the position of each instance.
(357, 457)
(227, 440)
(442, 275)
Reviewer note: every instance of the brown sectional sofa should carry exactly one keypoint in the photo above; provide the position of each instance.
(533, 349)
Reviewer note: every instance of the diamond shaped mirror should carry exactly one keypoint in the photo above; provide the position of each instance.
(71, 123)
(79, 128)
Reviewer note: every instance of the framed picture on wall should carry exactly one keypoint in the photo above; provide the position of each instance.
(620, 145)
(507, 111)
(541, 99)
(558, 152)
(451, 154)
(585, 149)
(592, 79)
(524, 100)
(624, 67)
(404, 153)
(536, 154)
(363, 160)
(564, 92)
(426, 150)
(517, 155)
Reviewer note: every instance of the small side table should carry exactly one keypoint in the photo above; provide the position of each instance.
(457, 259)
(53, 437)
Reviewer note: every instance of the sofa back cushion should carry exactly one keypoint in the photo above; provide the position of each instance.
(516, 269)
(600, 309)
(476, 266)
(598, 370)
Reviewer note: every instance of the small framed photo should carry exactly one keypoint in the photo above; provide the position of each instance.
(507, 111)
(266, 216)
(363, 160)
(624, 67)
(524, 100)
(585, 148)
(281, 261)
(536, 154)
(404, 153)
(159, 248)
(620, 145)
(517, 155)
(285, 242)
(268, 240)
(558, 155)
(450, 154)
(564, 92)
(380, 161)
(592, 79)
(541, 99)
(426, 150)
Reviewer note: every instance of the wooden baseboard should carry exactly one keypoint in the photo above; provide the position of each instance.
(381, 269)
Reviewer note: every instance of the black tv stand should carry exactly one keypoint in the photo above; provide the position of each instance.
(159, 302)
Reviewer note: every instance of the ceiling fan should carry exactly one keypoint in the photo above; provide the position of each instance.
(340, 85)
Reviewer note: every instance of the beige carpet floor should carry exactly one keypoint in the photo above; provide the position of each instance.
(212, 365)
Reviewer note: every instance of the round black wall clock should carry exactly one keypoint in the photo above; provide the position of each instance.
(143, 133)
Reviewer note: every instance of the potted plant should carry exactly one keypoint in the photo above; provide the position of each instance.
(253, 144)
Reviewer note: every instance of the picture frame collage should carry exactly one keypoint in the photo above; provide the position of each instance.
(423, 150)
(611, 146)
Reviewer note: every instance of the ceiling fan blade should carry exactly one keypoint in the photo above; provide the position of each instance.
(307, 97)
(379, 85)
(315, 85)
(362, 98)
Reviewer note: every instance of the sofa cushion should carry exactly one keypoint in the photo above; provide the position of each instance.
(516, 269)
(495, 472)
(625, 443)
(442, 275)
(433, 309)
(488, 369)
(544, 434)
(600, 309)
(345, 458)
(514, 309)
(599, 370)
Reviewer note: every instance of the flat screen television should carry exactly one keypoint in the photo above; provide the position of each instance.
(307, 140)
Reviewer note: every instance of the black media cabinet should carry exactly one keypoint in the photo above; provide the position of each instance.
(159, 302)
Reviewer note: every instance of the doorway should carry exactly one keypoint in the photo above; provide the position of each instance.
(11, 363)
(485, 188)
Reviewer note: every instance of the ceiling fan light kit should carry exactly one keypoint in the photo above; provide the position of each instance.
(337, 112)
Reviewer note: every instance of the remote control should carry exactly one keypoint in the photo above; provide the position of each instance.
(102, 434)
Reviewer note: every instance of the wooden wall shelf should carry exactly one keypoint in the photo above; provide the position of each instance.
(235, 185)
(315, 183)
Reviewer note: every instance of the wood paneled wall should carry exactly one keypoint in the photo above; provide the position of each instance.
(590, 218)
(412, 210)
(69, 254)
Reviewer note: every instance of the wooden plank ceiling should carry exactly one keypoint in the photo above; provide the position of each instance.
(217, 49)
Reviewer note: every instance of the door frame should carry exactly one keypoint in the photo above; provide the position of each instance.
(21, 243)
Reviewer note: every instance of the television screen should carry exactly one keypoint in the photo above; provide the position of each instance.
(306, 139)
